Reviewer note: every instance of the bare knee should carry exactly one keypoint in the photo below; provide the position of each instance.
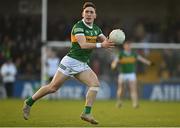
(94, 84)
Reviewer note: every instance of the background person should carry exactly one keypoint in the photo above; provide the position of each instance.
(8, 73)
(52, 64)
(127, 73)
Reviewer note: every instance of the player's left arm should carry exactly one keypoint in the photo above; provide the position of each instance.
(114, 63)
(101, 38)
(144, 60)
(105, 44)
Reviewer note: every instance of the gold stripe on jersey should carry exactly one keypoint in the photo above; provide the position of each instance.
(73, 39)
(89, 39)
(127, 60)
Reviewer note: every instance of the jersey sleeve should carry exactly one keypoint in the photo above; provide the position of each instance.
(77, 29)
(100, 33)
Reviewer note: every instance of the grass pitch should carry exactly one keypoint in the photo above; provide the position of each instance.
(65, 113)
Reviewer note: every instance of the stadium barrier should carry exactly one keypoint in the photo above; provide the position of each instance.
(75, 90)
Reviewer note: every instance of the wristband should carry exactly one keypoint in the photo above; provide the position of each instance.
(98, 45)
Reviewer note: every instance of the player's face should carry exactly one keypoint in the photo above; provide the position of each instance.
(89, 15)
(127, 46)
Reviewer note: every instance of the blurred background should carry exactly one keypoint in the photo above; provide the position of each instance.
(148, 22)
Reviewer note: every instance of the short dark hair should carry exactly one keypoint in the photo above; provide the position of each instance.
(127, 42)
(89, 4)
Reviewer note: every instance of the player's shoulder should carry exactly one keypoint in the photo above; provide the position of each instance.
(121, 53)
(96, 26)
(79, 24)
(134, 52)
(78, 27)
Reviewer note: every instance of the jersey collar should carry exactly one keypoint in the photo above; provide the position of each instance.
(87, 24)
(127, 52)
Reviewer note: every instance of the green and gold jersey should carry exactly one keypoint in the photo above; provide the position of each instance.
(127, 62)
(91, 35)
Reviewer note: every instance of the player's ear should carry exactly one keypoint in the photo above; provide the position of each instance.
(95, 16)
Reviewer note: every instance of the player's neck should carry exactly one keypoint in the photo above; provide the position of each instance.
(127, 51)
(88, 25)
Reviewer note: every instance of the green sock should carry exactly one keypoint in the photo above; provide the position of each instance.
(87, 109)
(30, 101)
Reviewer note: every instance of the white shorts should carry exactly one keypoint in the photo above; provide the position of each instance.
(127, 77)
(70, 66)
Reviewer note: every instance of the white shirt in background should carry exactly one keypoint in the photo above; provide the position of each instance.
(8, 72)
(52, 66)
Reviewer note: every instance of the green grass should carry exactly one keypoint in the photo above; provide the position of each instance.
(65, 113)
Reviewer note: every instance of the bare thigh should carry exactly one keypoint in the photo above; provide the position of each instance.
(58, 79)
(133, 86)
(52, 87)
(121, 83)
(88, 77)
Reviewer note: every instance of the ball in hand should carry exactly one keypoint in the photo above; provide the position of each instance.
(117, 36)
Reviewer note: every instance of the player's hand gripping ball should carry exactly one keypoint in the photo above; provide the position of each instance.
(117, 36)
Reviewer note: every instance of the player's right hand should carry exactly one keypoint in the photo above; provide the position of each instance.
(113, 65)
(107, 44)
